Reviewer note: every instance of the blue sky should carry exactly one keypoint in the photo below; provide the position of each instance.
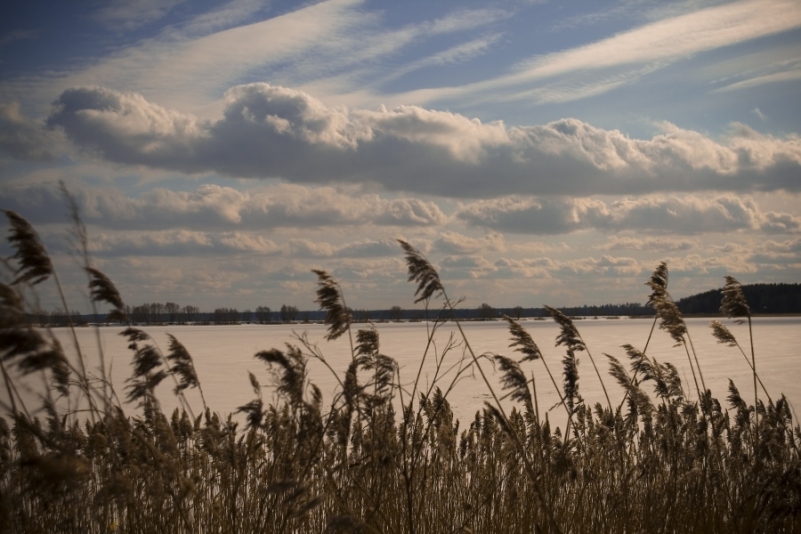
(538, 152)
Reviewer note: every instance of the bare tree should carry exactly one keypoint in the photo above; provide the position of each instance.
(395, 313)
(226, 315)
(263, 314)
(517, 311)
(486, 312)
(288, 313)
(172, 310)
(361, 316)
(190, 313)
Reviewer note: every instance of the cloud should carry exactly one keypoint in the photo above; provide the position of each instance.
(365, 248)
(192, 243)
(179, 243)
(455, 54)
(270, 131)
(456, 267)
(652, 244)
(131, 14)
(215, 207)
(22, 138)
(190, 63)
(681, 215)
(631, 54)
(673, 38)
(786, 76)
(454, 243)
(19, 35)
(778, 255)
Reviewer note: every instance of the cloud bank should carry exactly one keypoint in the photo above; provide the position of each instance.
(655, 214)
(212, 206)
(268, 131)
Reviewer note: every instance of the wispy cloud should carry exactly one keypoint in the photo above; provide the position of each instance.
(672, 38)
(785, 76)
(19, 35)
(640, 50)
(191, 64)
(455, 54)
(131, 14)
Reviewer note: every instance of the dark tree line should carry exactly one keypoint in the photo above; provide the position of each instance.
(762, 298)
(158, 313)
(166, 313)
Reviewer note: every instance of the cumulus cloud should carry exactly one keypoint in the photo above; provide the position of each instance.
(666, 244)
(268, 131)
(22, 138)
(191, 243)
(179, 243)
(682, 215)
(365, 248)
(455, 243)
(476, 266)
(778, 255)
(216, 207)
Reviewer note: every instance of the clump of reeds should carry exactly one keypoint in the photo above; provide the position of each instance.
(385, 453)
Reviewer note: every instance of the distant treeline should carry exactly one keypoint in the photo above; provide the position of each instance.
(762, 298)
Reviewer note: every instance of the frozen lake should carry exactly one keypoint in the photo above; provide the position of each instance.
(224, 354)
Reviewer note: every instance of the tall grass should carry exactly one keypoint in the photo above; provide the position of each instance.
(385, 454)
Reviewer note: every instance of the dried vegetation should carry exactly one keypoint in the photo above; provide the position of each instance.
(386, 455)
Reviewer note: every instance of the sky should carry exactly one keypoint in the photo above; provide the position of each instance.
(538, 152)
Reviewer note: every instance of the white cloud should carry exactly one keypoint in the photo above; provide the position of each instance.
(652, 244)
(455, 243)
(637, 52)
(269, 131)
(193, 243)
(785, 76)
(130, 14)
(189, 65)
(22, 138)
(223, 208)
(455, 54)
(673, 38)
(680, 215)
(179, 243)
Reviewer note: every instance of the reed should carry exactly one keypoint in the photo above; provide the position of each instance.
(385, 454)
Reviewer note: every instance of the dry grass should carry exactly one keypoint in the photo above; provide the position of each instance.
(383, 456)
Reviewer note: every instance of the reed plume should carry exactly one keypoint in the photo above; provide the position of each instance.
(570, 337)
(329, 297)
(421, 272)
(102, 289)
(734, 305)
(34, 262)
(184, 367)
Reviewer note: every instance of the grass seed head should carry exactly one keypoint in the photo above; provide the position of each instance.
(421, 272)
(34, 262)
